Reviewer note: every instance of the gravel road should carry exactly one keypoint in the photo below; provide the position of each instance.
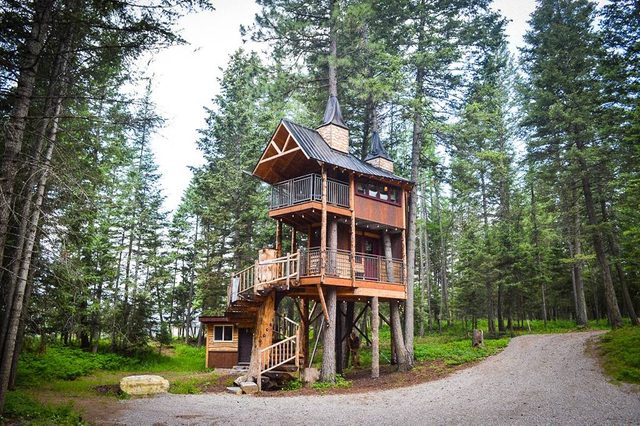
(537, 379)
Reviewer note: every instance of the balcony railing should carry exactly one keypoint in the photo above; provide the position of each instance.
(368, 267)
(308, 188)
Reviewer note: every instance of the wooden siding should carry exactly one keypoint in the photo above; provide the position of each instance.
(379, 211)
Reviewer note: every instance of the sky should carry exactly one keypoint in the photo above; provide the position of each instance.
(185, 80)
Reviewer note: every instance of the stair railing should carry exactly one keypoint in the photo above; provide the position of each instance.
(280, 353)
(242, 284)
(286, 268)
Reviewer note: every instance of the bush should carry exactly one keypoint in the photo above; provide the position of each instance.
(341, 382)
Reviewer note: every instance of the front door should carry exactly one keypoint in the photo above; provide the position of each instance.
(245, 343)
(371, 247)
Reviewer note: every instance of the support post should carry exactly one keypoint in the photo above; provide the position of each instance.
(375, 340)
(278, 238)
(293, 240)
(323, 227)
(352, 206)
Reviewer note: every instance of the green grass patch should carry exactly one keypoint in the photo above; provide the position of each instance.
(293, 385)
(621, 352)
(341, 383)
(192, 385)
(22, 409)
(65, 363)
(456, 352)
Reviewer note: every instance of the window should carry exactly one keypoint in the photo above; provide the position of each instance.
(379, 191)
(223, 333)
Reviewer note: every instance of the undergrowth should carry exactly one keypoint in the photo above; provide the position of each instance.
(22, 409)
(341, 382)
(621, 354)
(66, 363)
(192, 385)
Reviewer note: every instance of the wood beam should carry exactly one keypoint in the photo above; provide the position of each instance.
(352, 191)
(375, 344)
(278, 238)
(282, 154)
(324, 304)
(323, 227)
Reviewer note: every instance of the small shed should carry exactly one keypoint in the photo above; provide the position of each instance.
(229, 341)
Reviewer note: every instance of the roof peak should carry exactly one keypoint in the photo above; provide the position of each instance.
(377, 148)
(332, 113)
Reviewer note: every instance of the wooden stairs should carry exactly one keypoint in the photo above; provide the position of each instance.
(247, 293)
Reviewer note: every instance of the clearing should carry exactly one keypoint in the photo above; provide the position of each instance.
(537, 379)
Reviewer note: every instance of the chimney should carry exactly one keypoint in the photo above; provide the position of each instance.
(378, 156)
(333, 130)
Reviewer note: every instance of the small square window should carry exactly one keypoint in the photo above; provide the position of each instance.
(373, 190)
(223, 333)
(360, 188)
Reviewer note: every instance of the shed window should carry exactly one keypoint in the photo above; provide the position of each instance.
(223, 333)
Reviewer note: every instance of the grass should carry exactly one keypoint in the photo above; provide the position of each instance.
(20, 408)
(67, 364)
(621, 354)
(192, 385)
(341, 382)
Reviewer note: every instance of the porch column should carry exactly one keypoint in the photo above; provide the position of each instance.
(293, 240)
(323, 226)
(352, 207)
(278, 238)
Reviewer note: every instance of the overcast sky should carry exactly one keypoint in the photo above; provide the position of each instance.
(185, 80)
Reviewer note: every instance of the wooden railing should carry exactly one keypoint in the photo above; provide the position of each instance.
(260, 275)
(368, 267)
(279, 270)
(308, 188)
(242, 284)
(283, 351)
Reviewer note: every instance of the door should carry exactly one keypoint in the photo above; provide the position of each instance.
(371, 247)
(245, 343)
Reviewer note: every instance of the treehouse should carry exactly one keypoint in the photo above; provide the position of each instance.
(346, 221)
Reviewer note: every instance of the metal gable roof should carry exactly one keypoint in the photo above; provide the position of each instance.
(315, 147)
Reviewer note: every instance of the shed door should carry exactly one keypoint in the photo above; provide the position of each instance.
(245, 343)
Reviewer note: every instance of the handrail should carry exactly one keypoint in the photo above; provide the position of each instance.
(368, 267)
(252, 278)
(279, 353)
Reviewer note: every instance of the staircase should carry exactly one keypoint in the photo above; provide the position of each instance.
(283, 354)
(246, 293)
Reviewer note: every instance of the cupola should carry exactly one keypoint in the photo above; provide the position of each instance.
(333, 130)
(378, 156)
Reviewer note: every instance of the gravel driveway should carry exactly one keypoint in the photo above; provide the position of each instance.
(537, 379)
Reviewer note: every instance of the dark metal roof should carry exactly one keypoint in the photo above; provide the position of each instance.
(315, 147)
(377, 149)
(332, 113)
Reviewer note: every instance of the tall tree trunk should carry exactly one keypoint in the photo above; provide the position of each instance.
(576, 253)
(16, 309)
(15, 127)
(598, 245)
(328, 369)
(416, 148)
(375, 340)
(333, 49)
(444, 287)
(403, 357)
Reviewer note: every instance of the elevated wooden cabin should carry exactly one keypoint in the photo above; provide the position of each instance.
(353, 215)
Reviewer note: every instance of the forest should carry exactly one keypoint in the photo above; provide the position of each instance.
(527, 165)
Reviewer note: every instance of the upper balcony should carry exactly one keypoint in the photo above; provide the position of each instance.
(308, 189)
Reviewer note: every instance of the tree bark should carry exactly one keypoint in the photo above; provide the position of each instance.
(403, 357)
(598, 245)
(15, 128)
(375, 340)
(576, 253)
(333, 49)
(328, 369)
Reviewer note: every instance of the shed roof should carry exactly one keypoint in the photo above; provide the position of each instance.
(315, 147)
